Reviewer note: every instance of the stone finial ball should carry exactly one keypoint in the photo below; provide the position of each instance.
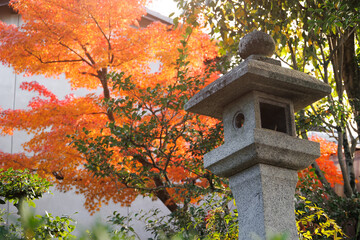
(256, 43)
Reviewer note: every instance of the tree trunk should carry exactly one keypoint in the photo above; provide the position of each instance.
(164, 195)
(347, 187)
(349, 159)
(161, 193)
(102, 75)
(351, 76)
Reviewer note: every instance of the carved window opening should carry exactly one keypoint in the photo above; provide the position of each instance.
(274, 117)
(239, 120)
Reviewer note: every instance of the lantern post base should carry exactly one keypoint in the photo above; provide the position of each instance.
(264, 196)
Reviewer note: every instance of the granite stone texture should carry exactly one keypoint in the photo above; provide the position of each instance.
(266, 147)
(251, 144)
(249, 105)
(255, 75)
(256, 43)
(264, 198)
(261, 153)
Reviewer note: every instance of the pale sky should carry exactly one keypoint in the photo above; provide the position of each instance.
(164, 7)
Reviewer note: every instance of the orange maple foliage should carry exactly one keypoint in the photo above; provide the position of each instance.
(86, 40)
(331, 172)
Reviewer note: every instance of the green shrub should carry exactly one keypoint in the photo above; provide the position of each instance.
(213, 218)
(313, 223)
(20, 187)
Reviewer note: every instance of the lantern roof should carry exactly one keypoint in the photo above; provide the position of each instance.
(258, 73)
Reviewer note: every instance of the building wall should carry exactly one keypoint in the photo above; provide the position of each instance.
(58, 203)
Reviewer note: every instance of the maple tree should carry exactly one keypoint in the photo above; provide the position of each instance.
(135, 137)
(331, 172)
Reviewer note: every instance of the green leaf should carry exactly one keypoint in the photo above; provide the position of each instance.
(188, 30)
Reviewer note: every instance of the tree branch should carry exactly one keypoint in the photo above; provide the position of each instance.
(110, 56)
(342, 41)
(347, 186)
(77, 54)
(53, 61)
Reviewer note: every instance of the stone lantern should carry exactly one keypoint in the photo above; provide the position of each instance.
(261, 154)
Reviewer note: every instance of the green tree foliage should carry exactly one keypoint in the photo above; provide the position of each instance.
(318, 37)
(21, 187)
